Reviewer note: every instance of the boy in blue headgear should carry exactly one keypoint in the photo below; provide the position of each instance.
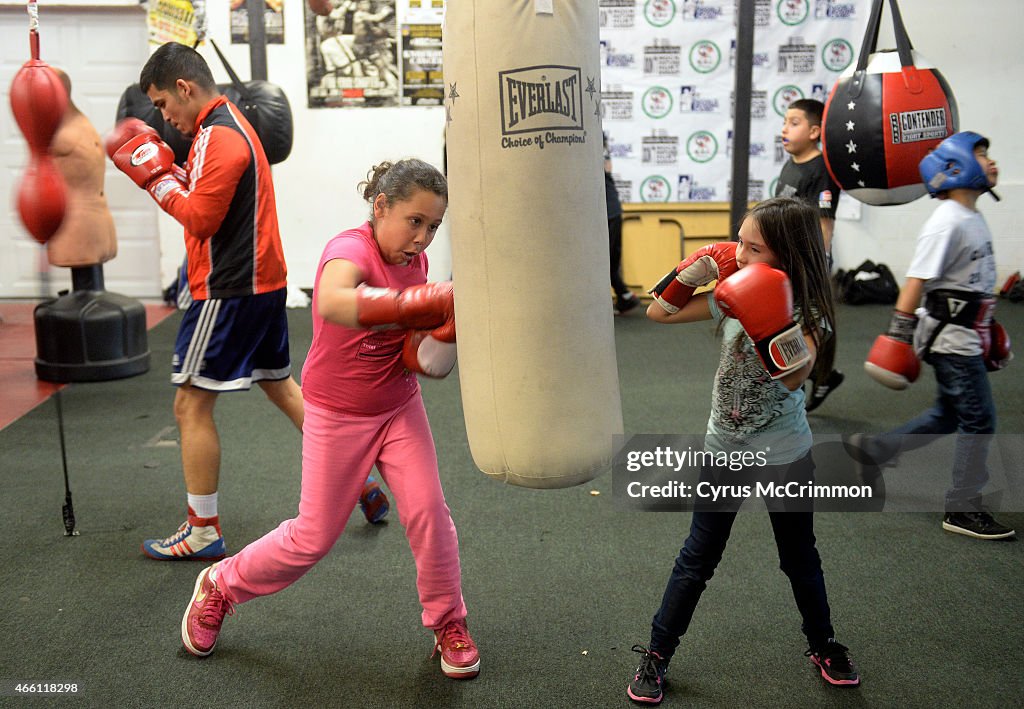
(944, 316)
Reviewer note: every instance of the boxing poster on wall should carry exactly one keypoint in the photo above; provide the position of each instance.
(172, 21)
(667, 76)
(422, 12)
(422, 78)
(352, 55)
(273, 21)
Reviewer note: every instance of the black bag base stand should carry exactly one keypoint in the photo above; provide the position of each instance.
(90, 335)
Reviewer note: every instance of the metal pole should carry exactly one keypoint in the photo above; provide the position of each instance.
(741, 113)
(257, 40)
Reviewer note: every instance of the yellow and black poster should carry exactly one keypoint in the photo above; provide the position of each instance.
(273, 21)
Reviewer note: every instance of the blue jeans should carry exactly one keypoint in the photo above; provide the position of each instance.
(963, 406)
(702, 551)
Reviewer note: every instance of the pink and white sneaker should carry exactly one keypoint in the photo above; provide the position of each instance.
(459, 656)
(201, 623)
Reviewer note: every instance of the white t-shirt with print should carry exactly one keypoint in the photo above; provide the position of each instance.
(954, 251)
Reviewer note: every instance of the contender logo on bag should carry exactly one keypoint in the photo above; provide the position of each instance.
(915, 126)
(541, 98)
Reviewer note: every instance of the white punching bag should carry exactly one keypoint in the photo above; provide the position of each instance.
(529, 229)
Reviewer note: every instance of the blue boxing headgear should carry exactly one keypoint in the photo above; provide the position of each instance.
(953, 164)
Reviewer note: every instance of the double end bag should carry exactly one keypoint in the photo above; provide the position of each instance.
(883, 116)
(536, 344)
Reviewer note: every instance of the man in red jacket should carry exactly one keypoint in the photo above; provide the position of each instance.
(236, 331)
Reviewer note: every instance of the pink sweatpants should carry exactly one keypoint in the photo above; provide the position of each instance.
(338, 451)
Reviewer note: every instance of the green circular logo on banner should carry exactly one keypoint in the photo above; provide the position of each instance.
(655, 189)
(792, 12)
(705, 56)
(702, 146)
(659, 12)
(772, 186)
(784, 96)
(656, 102)
(837, 54)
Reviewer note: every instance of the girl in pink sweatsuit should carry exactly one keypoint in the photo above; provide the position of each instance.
(363, 408)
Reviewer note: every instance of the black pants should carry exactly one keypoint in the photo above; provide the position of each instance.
(615, 252)
(703, 548)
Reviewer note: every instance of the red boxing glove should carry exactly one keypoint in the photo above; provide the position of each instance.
(144, 159)
(164, 186)
(424, 307)
(124, 131)
(706, 264)
(431, 353)
(138, 152)
(892, 360)
(761, 298)
(995, 343)
(173, 181)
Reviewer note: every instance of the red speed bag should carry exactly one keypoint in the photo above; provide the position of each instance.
(883, 115)
(42, 198)
(38, 102)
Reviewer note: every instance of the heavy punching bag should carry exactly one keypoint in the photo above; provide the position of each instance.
(883, 116)
(529, 231)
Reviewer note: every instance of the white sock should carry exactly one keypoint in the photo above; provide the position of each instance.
(203, 505)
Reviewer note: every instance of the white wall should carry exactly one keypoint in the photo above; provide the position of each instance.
(976, 46)
(333, 150)
(97, 46)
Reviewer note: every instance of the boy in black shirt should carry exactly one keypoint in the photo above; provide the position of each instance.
(804, 176)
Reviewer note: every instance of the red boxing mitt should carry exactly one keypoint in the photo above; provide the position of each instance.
(431, 352)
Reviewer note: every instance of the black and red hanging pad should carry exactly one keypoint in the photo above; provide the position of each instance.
(883, 116)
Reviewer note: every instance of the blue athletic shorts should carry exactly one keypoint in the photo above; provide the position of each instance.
(226, 344)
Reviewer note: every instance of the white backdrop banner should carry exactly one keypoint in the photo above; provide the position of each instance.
(667, 76)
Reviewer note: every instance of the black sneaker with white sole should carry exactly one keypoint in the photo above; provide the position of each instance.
(626, 302)
(979, 525)
(820, 390)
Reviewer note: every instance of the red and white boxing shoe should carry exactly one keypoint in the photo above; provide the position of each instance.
(197, 539)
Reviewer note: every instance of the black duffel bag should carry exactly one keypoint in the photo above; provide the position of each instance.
(868, 283)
